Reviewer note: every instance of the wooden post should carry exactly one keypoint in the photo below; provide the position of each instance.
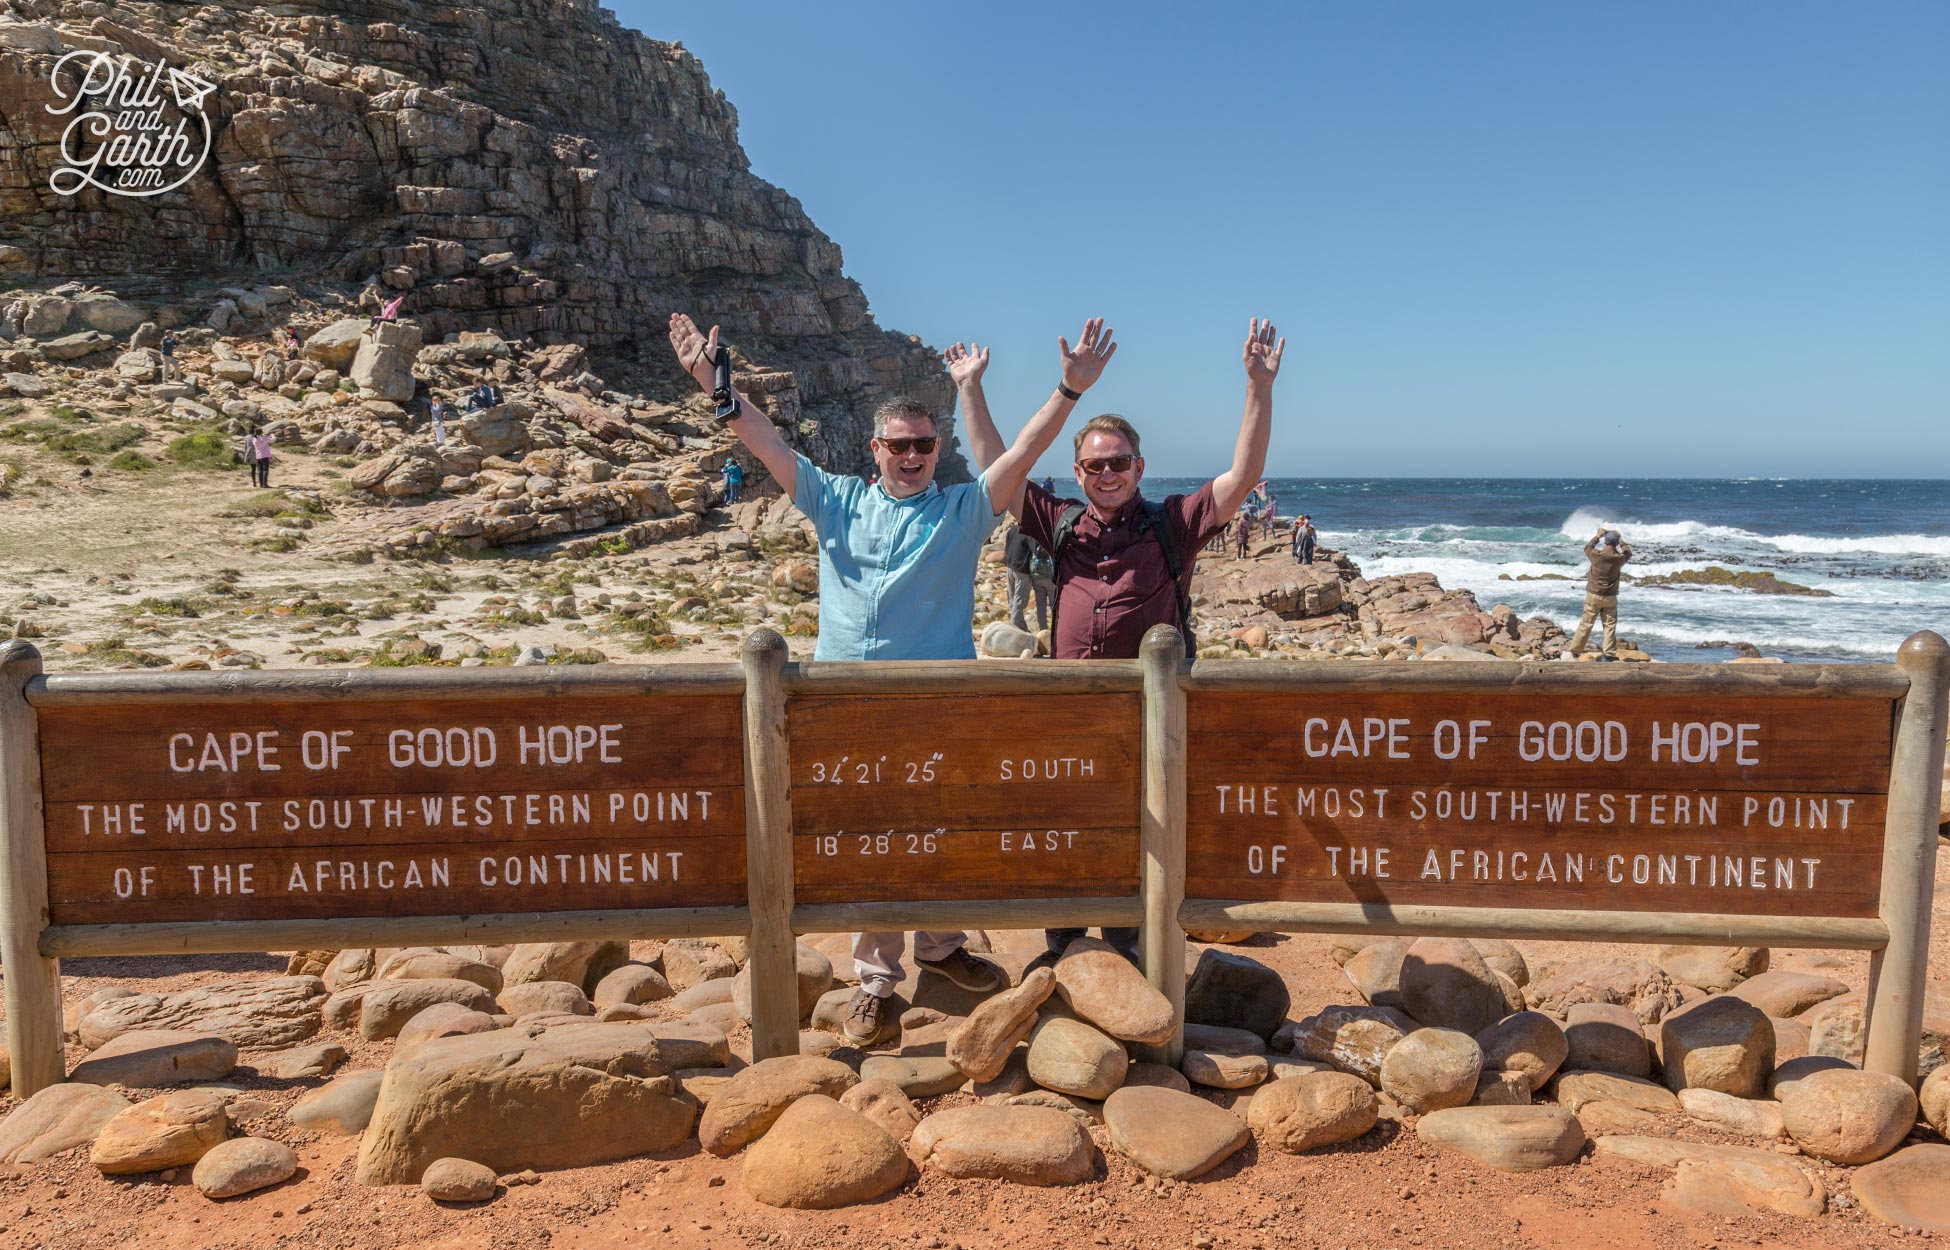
(768, 849)
(1896, 973)
(1162, 877)
(33, 981)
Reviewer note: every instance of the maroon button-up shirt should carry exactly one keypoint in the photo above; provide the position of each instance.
(1112, 582)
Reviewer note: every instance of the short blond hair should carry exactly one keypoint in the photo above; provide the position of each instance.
(1113, 423)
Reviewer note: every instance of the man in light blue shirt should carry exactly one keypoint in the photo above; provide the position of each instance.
(897, 561)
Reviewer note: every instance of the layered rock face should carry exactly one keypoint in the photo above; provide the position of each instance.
(526, 166)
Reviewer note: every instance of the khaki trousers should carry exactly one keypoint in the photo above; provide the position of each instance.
(877, 956)
(1597, 607)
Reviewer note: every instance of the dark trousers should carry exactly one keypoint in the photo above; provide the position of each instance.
(1306, 553)
(261, 472)
(1125, 940)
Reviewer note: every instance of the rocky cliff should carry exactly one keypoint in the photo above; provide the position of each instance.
(529, 167)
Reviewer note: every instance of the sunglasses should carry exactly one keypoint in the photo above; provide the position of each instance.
(899, 446)
(1097, 465)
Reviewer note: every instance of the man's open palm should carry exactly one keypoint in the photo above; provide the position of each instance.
(1262, 352)
(1085, 364)
(966, 364)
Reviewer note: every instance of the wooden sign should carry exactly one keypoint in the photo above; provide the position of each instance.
(934, 797)
(311, 810)
(1738, 806)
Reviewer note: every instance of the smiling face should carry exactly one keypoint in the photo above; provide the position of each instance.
(1109, 490)
(909, 472)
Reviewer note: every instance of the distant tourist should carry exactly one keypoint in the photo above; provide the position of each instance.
(167, 363)
(388, 313)
(291, 343)
(483, 398)
(259, 447)
(1303, 539)
(734, 478)
(1031, 571)
(437, 417)
(897, 563)
(1124, 563)
(1243, 536)
(1608, 553)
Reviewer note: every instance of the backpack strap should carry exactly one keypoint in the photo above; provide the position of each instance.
(1066, 528)
(1157, 518)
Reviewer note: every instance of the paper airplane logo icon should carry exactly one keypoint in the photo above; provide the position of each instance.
(190, 90)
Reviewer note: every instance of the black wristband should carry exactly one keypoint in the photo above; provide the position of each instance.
(1067, 393)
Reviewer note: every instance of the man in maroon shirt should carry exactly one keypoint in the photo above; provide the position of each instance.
(1113, 574)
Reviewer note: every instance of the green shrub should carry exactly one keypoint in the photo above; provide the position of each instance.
(207, 448)
(132, 462)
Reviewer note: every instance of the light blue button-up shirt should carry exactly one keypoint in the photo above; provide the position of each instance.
(896, 576)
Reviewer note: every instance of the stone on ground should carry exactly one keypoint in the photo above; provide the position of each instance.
(1849, 1117)
(527, 998)
(1512, 1139)
(1501, 1089)
(1578, 1090)
(581, 1093)
(747, 1105)
(1933, 1099)
(1070, 1057)
(386, 1006)
(151, 1058)
(265, 1014)
(690, 962)
(1606, 1037)
(457, 1180)
(1237, 992)
(820, 1155)
(886, 1105)
(1529, 1043)
(1085, 1111)
(1353, 1039)
(1431, 1069)
(1376, 971)
(1502, 957)
(1107, 990)
(1218, 1070)
(1301, 1113)
(981, 1046)
(1722, 1180)
(443, 1020)
(917, 1076)
(682, 1044)
(1445, 984)
(1910, 1188)
(631, 985)
(1787, 994)
(1742, 1117)
(243, 1165)
(1173, 1135)
(1224, 1041)
(1028, 1145)
(1715, 969)
(1635, 983)
(814, 974)
(318, 1059)
(1158, 1074)
(166, 1131)
(582, 964)
(1786, 1074)
(343, 1106)
(57, 1118)
(409, 965)
(1722, 1043)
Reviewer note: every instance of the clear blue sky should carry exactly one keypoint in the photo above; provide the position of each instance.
(1658, 238)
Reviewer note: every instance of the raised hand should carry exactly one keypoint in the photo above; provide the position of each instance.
(694, 350)
(966, 364)
(1262, 352)
(1083, 366)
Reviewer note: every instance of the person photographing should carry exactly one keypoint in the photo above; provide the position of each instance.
(1608, 552)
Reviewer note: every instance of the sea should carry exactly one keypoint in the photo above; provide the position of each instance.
(1880, 547)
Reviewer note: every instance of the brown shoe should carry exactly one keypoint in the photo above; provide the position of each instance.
(966, 971)
(866, 1019)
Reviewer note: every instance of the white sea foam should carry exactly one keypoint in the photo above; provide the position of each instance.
(1582, 523)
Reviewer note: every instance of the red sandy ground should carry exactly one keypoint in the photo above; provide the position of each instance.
(1386, 1190)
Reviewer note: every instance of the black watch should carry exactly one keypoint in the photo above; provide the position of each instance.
(721, 392)
(1067, 393)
